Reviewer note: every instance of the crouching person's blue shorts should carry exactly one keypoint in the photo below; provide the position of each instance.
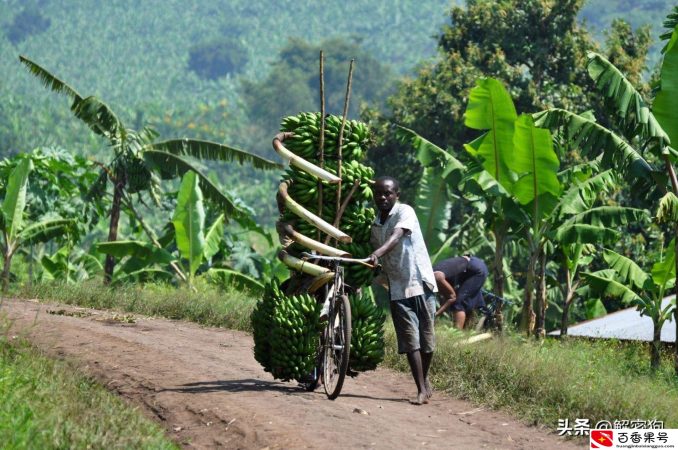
(413, 321)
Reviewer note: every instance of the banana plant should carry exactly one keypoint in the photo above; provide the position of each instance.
(68, 266)
(491, 109)
(521, 159)
(442, 174)
(16, 233)
(577, 224)
(627, 281)
(642, 126)
(139, 162)
(195, 243)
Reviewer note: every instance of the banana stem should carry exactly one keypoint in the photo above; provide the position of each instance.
(311, 218)
(301, 163)
(312, 244)
(301, 265)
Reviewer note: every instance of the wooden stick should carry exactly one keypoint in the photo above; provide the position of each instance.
(339, 215)
(321, 139)
(341, 131)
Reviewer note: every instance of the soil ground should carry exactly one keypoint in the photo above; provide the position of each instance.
(204, 386)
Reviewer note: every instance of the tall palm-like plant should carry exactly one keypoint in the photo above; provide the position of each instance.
(137, 158)
(642, 127)
(15, 232)
(577, 223)
(626, 280)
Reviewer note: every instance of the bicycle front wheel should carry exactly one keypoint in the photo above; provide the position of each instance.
(337, 347)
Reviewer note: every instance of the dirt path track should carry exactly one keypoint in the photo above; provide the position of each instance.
(204, 386)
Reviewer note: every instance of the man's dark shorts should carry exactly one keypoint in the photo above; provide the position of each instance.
(413, 320)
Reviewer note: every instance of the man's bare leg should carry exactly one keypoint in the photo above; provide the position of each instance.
(459, 319)
(425, 365)
(415, 360)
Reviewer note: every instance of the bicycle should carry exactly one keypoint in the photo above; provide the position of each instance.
(488, 320)
(334, 346)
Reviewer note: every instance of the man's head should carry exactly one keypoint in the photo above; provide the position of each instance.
(386, 193)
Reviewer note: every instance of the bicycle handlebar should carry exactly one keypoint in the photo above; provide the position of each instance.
(363, 261)
(494, 296)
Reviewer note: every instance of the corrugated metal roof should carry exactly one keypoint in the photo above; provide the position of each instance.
(626, 324)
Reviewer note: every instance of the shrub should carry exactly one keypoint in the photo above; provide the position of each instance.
(217, 58)
(27, 23)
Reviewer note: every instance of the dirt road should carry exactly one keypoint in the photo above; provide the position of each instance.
(204, 386)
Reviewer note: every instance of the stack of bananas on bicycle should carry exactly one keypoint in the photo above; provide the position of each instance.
(284, 330)
(300, 190)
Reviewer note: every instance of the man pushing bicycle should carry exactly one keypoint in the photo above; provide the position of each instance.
(401, 251)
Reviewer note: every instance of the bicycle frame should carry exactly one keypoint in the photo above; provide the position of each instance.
(336, 339)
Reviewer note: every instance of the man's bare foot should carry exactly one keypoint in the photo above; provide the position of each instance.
(429, 389)
(421, 399)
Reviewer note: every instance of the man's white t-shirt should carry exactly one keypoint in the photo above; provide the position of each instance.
(407, 266)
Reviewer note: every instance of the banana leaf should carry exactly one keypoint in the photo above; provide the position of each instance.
(491, 108)
(227, 278)
(145, 252)
(628, 272)
(609, 287)
(15, 199)
(535, 161)
(442, 171)
(171, 166)
(213, 237)
(189, 222)
(664, 271)
(594, 140)
(213, 151)
(665, 106)
(45, 230)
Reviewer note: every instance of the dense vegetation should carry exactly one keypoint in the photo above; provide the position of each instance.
(526, 138)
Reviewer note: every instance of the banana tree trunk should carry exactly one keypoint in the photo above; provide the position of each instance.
(569, 296)
(498, 270)
(527, 317)
(674, 185)
(541, 304)
(5, 270)
(655, 347)
(113, 228)
(675, 313)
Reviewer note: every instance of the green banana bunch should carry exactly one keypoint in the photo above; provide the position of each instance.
(262, 322)
(286, 333)
(367, 339)
(357, 275)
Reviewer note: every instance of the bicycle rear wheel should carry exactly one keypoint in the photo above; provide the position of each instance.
(337, 346)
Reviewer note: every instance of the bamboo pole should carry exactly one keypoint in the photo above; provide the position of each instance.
(341, 131)
(348, 198)
(321, 138)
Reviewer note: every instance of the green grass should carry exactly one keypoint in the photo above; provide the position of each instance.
(539, 382)
(206, 305)
(47, 404)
